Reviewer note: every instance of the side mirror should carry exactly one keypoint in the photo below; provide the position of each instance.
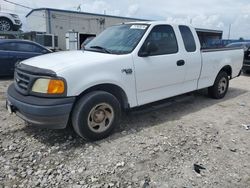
(148, 49)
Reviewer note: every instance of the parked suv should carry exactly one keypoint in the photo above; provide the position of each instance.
(9, 22)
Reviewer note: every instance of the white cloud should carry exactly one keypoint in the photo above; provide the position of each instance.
(100, 7)
(132, 10)
(211, 14)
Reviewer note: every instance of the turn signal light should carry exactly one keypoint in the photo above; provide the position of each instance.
(49, 86)
(56, 87)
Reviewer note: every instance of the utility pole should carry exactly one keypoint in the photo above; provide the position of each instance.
(229, 31)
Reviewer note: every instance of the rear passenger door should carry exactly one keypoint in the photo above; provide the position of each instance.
(192, 57)
(161, 73)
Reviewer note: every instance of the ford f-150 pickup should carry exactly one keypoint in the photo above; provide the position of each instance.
(126, 66)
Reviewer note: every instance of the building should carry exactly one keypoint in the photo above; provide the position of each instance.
(60, 22)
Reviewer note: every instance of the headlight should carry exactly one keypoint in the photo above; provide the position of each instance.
(49, 86)
(14, 15)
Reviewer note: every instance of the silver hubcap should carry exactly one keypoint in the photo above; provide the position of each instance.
(222, 85)
(4, 25)
(100, 117)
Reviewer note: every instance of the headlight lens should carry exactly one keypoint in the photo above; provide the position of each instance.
(49, 86)
(14, 15)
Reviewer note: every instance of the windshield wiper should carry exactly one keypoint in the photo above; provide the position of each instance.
(101, 48)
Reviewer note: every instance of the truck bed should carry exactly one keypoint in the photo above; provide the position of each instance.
(215, 59)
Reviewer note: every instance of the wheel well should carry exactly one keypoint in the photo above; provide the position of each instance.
(6, 19)
(115, 90)
(228, 70)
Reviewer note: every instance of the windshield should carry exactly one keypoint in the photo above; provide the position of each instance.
(120, 39)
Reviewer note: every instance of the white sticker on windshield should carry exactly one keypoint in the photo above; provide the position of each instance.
(138, 27)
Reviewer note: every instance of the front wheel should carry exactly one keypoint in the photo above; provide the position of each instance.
(5, 25)
(95, 115)
(220, 87)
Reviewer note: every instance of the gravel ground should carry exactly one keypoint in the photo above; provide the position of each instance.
(155, 146)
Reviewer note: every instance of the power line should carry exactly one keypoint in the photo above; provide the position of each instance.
(17, 4)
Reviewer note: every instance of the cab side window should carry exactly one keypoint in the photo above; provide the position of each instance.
(163, 40)
(8, 46)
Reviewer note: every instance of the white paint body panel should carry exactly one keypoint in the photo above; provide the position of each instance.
(153, 78)
(83, 70)
(159, 77)
(214, 61)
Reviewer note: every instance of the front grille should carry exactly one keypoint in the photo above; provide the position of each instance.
(22, 81)
(26, 75)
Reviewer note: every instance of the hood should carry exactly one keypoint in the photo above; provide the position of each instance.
(59, 61)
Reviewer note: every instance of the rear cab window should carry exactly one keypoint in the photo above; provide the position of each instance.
(188, 38)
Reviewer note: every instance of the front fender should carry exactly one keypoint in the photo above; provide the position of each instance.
(78, 84)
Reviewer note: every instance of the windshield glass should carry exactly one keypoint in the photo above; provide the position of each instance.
(120, 39)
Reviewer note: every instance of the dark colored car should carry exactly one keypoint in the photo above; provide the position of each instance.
(13, 51)
(246, 47)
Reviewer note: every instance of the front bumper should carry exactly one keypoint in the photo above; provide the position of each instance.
(16, 27)
(51, 113)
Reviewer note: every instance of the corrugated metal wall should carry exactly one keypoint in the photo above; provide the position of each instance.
(59, 23)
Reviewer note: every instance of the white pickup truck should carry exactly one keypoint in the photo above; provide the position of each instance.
(126, 66)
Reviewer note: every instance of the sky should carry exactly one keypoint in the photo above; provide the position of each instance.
(210, 14)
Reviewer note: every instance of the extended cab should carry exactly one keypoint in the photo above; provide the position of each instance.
(126, 66)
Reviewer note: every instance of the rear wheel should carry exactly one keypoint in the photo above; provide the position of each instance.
(220, 87)
(5, 25)
(95, 115)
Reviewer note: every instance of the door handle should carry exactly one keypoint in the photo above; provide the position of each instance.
(180, 63)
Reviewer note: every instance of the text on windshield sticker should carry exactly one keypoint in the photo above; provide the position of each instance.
(138, 27)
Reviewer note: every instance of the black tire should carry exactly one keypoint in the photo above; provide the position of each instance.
(97, 104)
(6, 25)
(220, 87)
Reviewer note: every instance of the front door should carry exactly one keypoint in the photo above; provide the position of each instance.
(159, 68)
